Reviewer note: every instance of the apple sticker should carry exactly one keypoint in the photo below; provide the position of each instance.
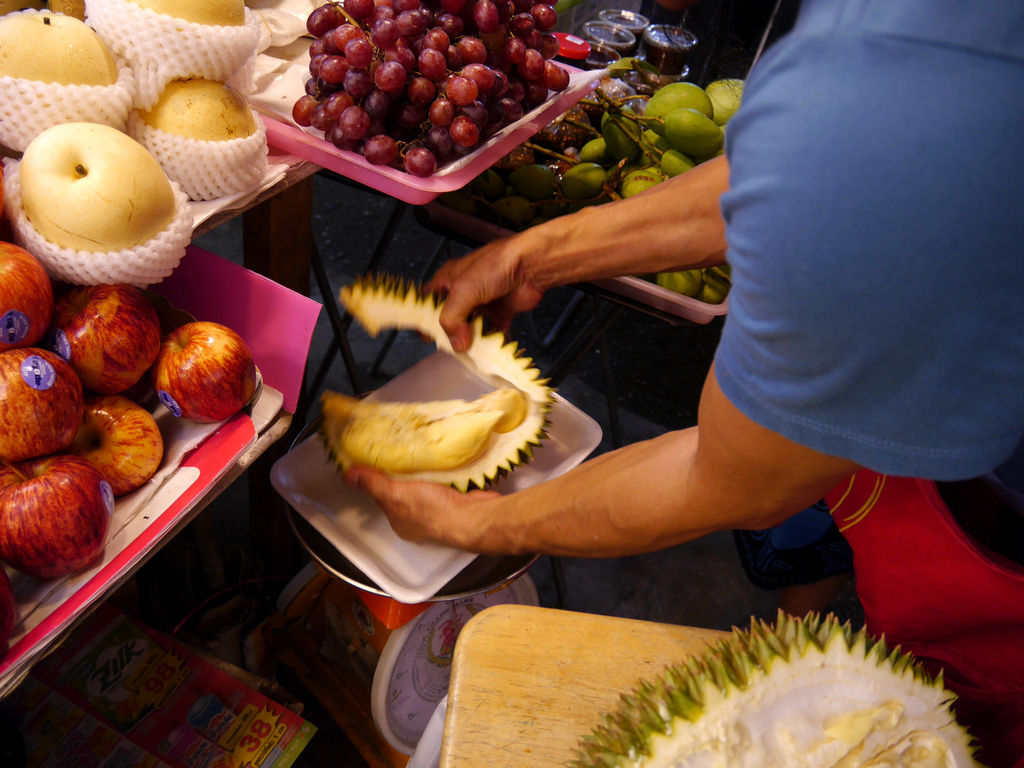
(58, 342)
(14, 327)
(38, 373)
(170, 402)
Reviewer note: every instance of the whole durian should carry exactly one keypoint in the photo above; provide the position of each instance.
(460, 443)
(805, 692)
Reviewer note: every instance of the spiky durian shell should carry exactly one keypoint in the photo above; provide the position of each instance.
(798, 693)
(381, 302)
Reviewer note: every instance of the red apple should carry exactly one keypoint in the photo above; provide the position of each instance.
(8, 611)
(121, 439)
(109, 333)
(54, 515)
(40, 403)
(26, 298)
(204, 372)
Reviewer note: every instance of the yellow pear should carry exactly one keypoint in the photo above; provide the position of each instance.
(228, 13)
(201, 109)
(91, 187)
(52, 48)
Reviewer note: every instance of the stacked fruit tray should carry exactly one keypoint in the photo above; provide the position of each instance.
(636, 129)
(413, 110)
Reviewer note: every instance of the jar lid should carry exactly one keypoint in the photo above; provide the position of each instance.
(609, 34)
(634, 22)
(669, 36)
(571, 47)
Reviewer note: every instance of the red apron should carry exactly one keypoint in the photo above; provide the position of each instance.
(931, 589)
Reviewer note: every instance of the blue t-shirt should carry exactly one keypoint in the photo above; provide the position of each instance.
(876, 236)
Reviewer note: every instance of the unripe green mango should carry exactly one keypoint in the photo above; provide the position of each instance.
(637, 181)
(674, 162)
(620, 143)
(488, 184)
(693, 133)
(534, 181)
(688, 282)
(583, 180)
(595, 151)
(515, 208)
(675, 96)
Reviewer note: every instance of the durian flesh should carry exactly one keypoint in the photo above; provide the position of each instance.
(399, 438)
(453, 442)
(806, 692)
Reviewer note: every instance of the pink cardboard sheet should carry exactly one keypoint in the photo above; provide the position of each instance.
(276, 321)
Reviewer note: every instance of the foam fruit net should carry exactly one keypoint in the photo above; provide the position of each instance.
(28, 107)
(206, 169)
(161, 48)
(145, 264)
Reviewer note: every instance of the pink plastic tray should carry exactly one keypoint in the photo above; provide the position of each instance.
(310, 145)
(633, 288)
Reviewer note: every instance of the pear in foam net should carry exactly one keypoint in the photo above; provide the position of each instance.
(205, 136)
(166, 40)
(217, 12)
(55, 68)
(96, 207)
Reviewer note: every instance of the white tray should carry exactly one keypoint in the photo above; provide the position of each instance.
(350, 520)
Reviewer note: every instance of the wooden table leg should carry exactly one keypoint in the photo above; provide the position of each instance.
(277, 240)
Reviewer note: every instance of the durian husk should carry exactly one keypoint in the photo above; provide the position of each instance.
(380, 302)
(807, 692)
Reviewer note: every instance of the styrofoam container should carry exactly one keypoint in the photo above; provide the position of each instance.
(351, 520)
(309, 144)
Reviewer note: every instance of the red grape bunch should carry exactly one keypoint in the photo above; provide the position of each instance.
(416, 83)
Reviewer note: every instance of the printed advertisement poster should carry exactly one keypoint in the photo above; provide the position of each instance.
(119, 694)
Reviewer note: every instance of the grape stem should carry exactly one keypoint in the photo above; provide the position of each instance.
(585, 126)
(346, 14)
(551, 153)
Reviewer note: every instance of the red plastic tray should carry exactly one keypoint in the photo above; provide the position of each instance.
(309, 144)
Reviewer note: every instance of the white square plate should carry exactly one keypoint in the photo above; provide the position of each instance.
(348, 518)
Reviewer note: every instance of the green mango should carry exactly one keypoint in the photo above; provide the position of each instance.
(675, 96)
(583, 181)
(488, 185)
(515, 208)
(534, 181)
(674, 162)
(725, 97)
(714, 290)
(654, 139)
(687, 282)
(637, 181)
(595, 151)
(693, 133)
(620, 143)
(626, 64)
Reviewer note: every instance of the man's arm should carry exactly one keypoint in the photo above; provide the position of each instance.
(728, 472)
(673, 225)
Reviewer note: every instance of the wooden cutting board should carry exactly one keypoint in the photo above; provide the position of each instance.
(528, 682)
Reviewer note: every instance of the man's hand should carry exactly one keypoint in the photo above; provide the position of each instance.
(424, 512)
(490, 280)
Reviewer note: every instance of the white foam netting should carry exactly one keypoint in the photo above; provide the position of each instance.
(29, 107)
(161, 48)
(144, 265)
(206, 169)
